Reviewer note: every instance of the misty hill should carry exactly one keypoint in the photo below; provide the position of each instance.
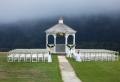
(97, 31)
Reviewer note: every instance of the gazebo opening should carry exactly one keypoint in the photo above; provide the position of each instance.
(60, 39)
(70, 39)
(60, 44)
(50, 39)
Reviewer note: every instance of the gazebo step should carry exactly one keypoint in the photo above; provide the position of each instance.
(61, 53)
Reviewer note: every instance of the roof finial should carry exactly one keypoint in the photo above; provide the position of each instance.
(61, 20)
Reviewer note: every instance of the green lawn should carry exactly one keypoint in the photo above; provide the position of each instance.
(29, 72)
(97, 71)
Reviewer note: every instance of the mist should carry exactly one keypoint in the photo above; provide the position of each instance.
(15, 10)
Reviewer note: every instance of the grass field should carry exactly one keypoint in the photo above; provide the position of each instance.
(97, 71)
(29, 72)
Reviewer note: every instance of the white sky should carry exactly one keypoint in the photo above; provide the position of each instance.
(13, 10)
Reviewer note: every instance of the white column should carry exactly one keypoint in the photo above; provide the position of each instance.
(46, 39)
(66, 42)
(54, 42)
(74, 43)
(74, 39)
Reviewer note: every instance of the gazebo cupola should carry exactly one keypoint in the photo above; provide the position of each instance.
(60, 21)
(60, 29)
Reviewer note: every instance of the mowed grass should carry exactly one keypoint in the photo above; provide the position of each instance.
(29, 72)
(97, 71)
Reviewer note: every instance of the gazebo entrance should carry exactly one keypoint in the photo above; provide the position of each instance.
(60, 43)
(62, 30)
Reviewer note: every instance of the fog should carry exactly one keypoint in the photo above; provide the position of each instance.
(15, 10)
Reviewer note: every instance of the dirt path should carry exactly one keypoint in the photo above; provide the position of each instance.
(67, 72)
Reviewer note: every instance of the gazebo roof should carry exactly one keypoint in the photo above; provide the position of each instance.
(60, 28)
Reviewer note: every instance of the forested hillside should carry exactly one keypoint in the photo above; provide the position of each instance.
(98, 31)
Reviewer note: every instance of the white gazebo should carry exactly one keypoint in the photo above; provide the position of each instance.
(62, 30)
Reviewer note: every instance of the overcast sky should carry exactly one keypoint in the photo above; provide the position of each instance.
(14, 10)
